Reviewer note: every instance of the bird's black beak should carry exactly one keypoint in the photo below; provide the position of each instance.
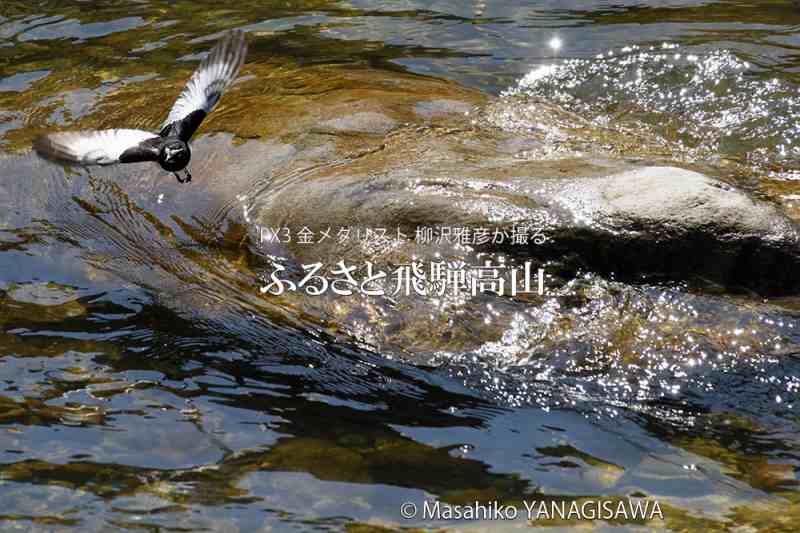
(187, 179)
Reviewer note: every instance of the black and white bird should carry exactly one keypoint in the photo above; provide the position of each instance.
(170, 147)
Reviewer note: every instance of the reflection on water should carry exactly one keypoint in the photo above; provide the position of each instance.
(145, 384)
(709, 104)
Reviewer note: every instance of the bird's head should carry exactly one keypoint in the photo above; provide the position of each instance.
(174, 155)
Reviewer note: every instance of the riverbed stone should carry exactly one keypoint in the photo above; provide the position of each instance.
(373, 149)
(628, 220)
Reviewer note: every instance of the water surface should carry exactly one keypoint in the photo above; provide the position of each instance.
(146, 385)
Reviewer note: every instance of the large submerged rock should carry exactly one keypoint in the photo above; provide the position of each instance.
(385, 150)
(373, 149)
(364, 149)
(629, 219)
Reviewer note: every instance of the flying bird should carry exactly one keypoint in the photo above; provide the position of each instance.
(170, 147)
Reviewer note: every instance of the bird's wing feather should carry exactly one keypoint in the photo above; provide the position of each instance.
(90, 147)
(202, 92)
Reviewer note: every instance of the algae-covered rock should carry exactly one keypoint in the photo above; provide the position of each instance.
(40, 302)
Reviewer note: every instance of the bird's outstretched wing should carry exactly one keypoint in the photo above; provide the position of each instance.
(215, 73)
(104, 147)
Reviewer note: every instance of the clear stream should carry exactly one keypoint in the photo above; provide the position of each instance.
(122, 410)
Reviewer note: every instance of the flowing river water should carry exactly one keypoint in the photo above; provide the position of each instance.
(146, 383)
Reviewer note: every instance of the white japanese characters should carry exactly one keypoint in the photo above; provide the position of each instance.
(437, 278)
(517, 235)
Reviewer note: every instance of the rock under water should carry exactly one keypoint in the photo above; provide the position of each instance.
(632, 220)
(407, 153)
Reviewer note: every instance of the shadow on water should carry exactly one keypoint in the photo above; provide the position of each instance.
(147, 384)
